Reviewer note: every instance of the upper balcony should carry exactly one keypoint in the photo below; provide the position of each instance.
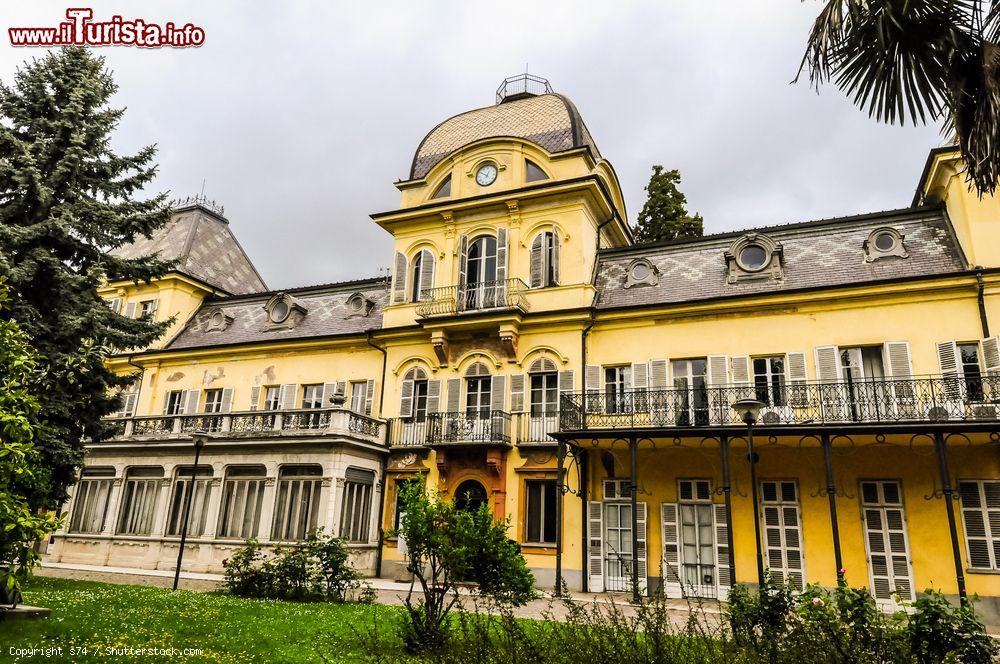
(503, 295)
(250, 424)
(493, 428)
(878, 402)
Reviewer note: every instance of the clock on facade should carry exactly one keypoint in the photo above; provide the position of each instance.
(486, 174)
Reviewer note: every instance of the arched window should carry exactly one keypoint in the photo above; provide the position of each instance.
(480, 290)
(423, 276)
(443, 190)
(533, 172)
(478, 385)
(545, 260)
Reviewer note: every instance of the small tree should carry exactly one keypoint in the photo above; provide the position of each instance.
(664, 216)
(20, 525)
(447, 545)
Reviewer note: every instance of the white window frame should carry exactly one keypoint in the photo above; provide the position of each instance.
(297, 501)
(356, 506)
(242, 502)
(92, 500)
(200, 499)
(140, 493)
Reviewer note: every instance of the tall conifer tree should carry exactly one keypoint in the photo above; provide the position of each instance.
(664, 216)
(67, 200)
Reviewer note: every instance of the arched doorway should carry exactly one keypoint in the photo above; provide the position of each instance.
(470, 495)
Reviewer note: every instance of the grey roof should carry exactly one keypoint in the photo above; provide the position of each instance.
(327, 314)
(550, 120)
(204, 247)
(816, 254)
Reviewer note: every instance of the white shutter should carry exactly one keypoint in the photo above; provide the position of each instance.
(329, 389)
(951, 369)
(724, 575)
(191, 398)
(640, 387)
(566, 384)
(896, 358)
(128, 404)
(369, 396)
(536, 267)
(555, 256)
(454, 395)
(981, 518)
(154, 304)
(517, 382)
(595, 547)
(671, 559)
(427, 267)
(433, 396)
(592, 378)
(782, 529)
(130, 310)
(640, 545)
(501, 255)
(717, 371)
(886, 540)
(463, 257)
(827, 364)
(227, 400)
(255, 397)
(741, 370)
(795, 364)
(399, 279)
(658, 374)
(286, 397)
(498, 393)
(991, 356)
(406, 399)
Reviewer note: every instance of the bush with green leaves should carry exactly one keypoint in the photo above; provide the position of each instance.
(315, 569)
(447, 546)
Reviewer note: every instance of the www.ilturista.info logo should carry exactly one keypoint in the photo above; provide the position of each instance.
(81, 30)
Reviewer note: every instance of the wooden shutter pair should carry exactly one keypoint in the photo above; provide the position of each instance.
(539, 259)
(400, 269)
(596, 550)
(670, 559)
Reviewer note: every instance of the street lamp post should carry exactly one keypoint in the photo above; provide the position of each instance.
(747, 410)
(199, 438)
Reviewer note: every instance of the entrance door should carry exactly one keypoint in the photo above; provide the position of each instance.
(617, 546)
(886, 540)
(697, 538)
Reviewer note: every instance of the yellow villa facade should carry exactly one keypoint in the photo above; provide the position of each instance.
(526, 354)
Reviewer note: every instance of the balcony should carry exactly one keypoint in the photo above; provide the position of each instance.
(932, 399)
(498, 428)
(250, 424)
(504, 295)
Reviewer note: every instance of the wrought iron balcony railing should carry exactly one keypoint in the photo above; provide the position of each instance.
(466, 298)
(259, 424)
(489, 427)
(934, 399)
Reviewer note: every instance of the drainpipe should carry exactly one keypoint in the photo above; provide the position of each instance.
(983, 321)
(584, 476)
(385, 458)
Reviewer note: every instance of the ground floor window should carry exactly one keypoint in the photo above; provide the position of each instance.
(90, 509)
(540, 512)
(356, 506)
(782, 525)
(242, 499)
(296, 509)
(981, 516)
(139, 496)
(886, 539)
(200, 490)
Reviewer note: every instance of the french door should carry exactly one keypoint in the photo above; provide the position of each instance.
(617, 546)
(886, 540)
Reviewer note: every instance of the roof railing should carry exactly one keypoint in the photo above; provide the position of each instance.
(521, 86)
(199, 201)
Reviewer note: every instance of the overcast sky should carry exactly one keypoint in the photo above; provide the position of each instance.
(300, 115)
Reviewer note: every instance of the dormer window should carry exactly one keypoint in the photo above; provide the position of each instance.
(883, 242)
(284, 311)
(752, 257)
(443, 190)
(533, 172)
(218, 321)
(641, 272)
(359, 305)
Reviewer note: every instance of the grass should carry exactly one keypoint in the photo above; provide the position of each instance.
(101, 617)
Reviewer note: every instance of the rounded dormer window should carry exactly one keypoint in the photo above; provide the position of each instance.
(885, 241)
(641, 272)
(218, 318)
(753, 257)
(279, 312)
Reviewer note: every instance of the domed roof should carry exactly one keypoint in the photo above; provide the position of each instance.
(550, 120)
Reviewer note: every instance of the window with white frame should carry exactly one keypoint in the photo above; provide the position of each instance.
(213, 401)
(147, 308)
(312, 396)
(616, 385)
(478, 396)
(359, 394)
(862, 363)
(782, 527)
(90, 506)
(116, 304)
(272, 397)
(981, 516)
(540, 512)
(242, 500)
(968, 355)
(175, 402)
(296, 508)
(544, 263)
(200, 490)
(690, 383)
(139, 495)
(356, 505)
(769, 379)
(418, 276)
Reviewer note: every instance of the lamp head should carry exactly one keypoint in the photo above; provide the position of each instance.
(200, 437)
(748, 410)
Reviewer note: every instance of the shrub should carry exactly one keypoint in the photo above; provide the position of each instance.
(939, 631)
(315, 569)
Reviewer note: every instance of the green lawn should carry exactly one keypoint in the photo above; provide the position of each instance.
(96, 617)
